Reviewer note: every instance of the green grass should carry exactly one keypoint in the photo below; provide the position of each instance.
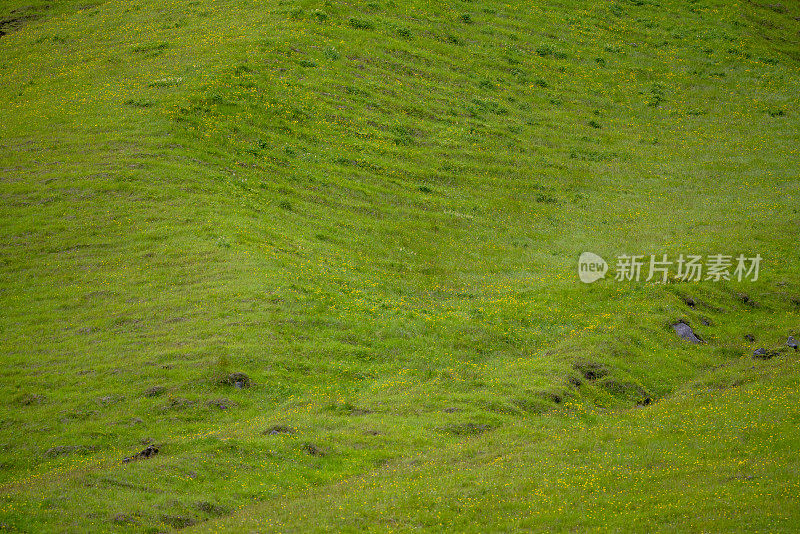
(713, 459)
(375, 212)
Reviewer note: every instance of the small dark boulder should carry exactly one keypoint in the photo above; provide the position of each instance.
(685, 332)
(148, 452)
(762, 354)
(792, 343)
(750, 337)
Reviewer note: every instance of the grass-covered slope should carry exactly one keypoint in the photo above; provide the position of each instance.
(714, 458)
(375, 211)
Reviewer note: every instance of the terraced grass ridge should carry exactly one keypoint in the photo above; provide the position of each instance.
(303, 266)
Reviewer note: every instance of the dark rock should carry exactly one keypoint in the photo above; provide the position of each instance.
(705, 321)
(750, 337)
(685, 332)
(761, 353)
(791, 342)
(689, 302)
(148, 452)
(452, 409)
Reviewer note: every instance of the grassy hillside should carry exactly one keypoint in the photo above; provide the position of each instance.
(375, 212)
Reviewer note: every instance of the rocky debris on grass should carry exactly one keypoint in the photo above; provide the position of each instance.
(689, 302)
(705, 321)
(237, 380)
(750, 337)
(591, 370)
(149, 452)
(155, 391)
(451, 409)
(685, 332)
(765, 354)
(792, 343)
(275, 430)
